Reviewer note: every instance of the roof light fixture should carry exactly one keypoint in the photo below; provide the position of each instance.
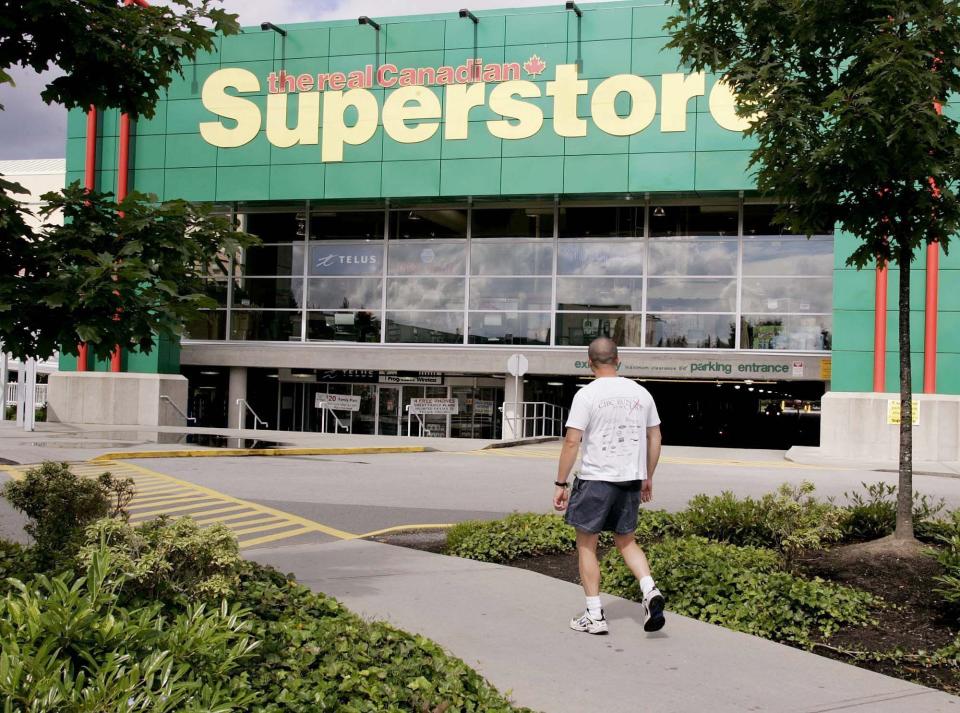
(364, 20)
(473, 18)
(573, 6)
(270, 26)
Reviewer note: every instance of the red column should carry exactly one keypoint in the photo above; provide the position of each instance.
(89, 182)
(880, 331)
(932, 313)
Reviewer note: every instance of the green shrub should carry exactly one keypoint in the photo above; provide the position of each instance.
(65, 645)
(655, 525)
(517, 535)
(317, 656)
(16, 562)
(788, 520)
(872, 514)
(168, 559)
(741, 588)
(60, 504)
(40, 415)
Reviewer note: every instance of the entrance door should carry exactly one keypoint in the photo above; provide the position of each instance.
(388, 410)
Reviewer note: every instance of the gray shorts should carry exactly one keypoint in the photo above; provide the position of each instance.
(601, 506)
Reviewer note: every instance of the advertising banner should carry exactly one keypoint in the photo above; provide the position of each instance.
(338, 402)
(434, 407)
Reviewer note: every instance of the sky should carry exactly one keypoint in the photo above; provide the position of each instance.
(29, 128)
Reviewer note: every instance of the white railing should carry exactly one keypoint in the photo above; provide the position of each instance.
(242, 406)
(188, 419)
(40, 394)
(534, 419)
(338, 425)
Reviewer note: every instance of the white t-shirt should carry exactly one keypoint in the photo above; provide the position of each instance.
(614, 414)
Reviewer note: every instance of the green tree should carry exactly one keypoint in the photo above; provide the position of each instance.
(114, 274)
(846, 98)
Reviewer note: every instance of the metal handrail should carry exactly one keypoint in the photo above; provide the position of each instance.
(337, 423)
(241, 405)
(546, 419)
(188, 419)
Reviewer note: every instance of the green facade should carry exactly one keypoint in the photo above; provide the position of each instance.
(171, 159)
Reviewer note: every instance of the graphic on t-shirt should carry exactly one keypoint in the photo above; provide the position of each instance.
(620, 434)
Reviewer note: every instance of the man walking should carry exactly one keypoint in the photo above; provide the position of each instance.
(617, 421)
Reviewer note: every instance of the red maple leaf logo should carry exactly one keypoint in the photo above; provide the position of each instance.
(534, 66)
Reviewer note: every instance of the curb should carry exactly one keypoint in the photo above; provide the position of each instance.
(521, 442)
(242, 452)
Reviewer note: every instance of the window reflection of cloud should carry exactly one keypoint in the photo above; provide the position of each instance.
(626, 294)
(787, 257)
(425, 293)
(345, 294)
(511, 259)
(600, 259)
(800, 295)
(707, 295)
(517, 293)
(427, 258)
(693, 258)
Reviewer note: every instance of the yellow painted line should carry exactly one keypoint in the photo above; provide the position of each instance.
(278, 536)
(200, 503)
(264, 528)
(158, 490)
(309, 524)
(406, 528)
(164, 500)
(259, 520)
(234, 511)
(241, 452)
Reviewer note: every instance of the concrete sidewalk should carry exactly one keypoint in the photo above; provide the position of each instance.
(511, 625)
(811, 455)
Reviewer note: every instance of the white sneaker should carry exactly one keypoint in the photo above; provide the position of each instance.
(588, 624)
(653, 604)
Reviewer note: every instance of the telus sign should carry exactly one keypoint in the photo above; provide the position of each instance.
(412, 113)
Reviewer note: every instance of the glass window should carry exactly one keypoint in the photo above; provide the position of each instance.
(217, 290)
(346, 225)
(428, 258)
(511, 293)
(691, 331)
(794, 333)
(413, 224)
(510, 328)
(511, 258)
(425, 293)
(788, 255)
(759, 220)
(209, 325)
(623, 222)
(513, 222)
(580, 329)
(271, 260)
(668, 221)
(425, 327)
(693, 257)
(277, 227)
(600, 258)
(678, 294)
(346, 259)
(624, 294)
(343, 326)
(786, 295)
(265, 326)
(345, 293)
(268, 293)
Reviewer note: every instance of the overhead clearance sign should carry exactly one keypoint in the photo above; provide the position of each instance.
(412, 112)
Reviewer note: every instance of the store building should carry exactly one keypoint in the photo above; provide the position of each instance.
(437, 193)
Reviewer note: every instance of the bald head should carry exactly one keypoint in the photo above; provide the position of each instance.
(603, 352)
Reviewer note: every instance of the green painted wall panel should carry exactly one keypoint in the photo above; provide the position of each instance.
(372, 150)
(157, 124)
(301, 181)
(255, 153)
(661, 172)
(148, 181)
(305, 43)
(597, 142)
(415, 36)
(396, 151)
(352, 180)
(470, 177)
(76, 124)
(652, 140)
(190, 84)
(892, 383)
(462, 33)
(650, 57)
(852, 370)
(77, 152)
(353, 39)
(189, 151)
(606, 24)
(723, 171)
(857, 289)
(648, 21)
(532, 175)
(198, 183)
(414, 60)
(148, 151)
(480, 143)
(544, 143)
(601, 59)
(249, 45)
(411, 178)
(212, 56)
(852, 330)
(545, 27)
(456, 56)
(595, 174)
(948, 373)
(242, 183)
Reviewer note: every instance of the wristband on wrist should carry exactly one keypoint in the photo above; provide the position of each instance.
(561, 485)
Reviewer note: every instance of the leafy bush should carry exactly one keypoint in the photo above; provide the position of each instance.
(788, 520)
(65, 645)
(168, 559)
(60, 504)
(16, 562)
(654, 525)
(317, 656)
(516, 535)
(742, 588)
(872, 514)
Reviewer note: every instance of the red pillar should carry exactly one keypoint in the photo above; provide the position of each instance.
(932, 313)
(880, 331)
(89, 182)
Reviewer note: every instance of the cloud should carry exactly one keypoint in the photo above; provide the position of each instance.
(29, 128)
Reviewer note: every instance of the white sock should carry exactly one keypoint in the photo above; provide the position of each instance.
(647, 585)
(593, 607)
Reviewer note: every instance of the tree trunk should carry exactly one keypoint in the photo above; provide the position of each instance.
(904, 529)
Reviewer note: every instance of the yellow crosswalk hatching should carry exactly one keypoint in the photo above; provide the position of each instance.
(158, 494)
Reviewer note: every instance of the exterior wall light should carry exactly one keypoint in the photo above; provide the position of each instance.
(659, 212)
(473, 18)
(270, 26)
(364, 20)
(573, 6)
